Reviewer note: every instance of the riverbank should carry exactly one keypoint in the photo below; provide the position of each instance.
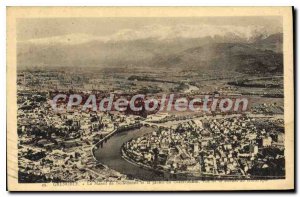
(110, 155)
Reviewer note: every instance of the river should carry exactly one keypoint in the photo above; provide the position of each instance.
(110, 155)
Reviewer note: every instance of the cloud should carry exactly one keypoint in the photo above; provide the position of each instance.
(160, 32)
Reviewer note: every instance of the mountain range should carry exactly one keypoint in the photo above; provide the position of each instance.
(261, 53)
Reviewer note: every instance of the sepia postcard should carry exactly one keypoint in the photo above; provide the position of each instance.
(150, 98)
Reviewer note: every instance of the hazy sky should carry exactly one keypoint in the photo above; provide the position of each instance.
(35, 28)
